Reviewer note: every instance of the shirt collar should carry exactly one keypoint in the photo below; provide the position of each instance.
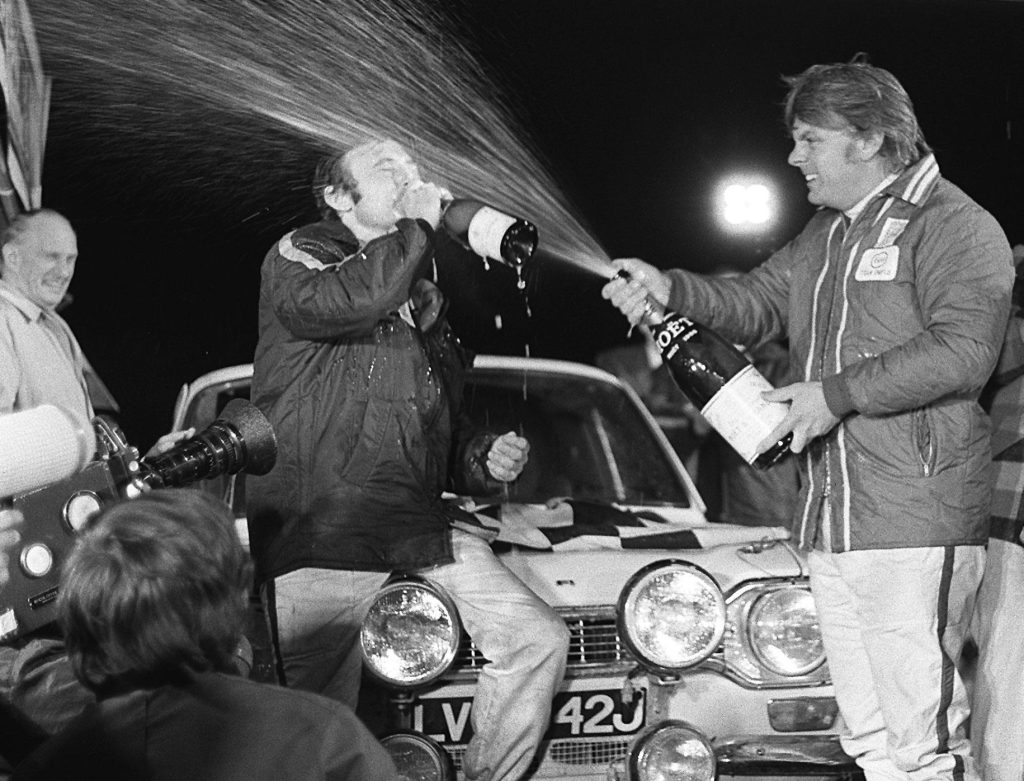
(30, 309)
(853, 211)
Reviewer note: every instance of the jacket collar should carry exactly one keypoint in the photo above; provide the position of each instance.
(916, 183)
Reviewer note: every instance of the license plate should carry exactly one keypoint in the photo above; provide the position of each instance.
(573, 715)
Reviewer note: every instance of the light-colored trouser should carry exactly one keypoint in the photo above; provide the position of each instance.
(997, 717)
(319, 613)
(894, 623)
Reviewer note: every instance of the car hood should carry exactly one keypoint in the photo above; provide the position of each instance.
(591, 571)
(595, 578)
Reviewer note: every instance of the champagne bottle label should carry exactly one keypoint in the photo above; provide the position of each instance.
(741, 415)
(486, 230)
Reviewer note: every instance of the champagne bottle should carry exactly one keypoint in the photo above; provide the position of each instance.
(490, 233)
(722, 383)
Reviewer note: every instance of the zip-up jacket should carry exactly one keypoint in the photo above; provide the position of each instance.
(361, 378)
(900, 316)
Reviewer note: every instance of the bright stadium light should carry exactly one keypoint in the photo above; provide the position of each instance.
(745, 205)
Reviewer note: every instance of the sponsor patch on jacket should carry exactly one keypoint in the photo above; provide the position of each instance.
(891, 230)
(878, 264)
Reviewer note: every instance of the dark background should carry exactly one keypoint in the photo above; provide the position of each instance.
(638, 108)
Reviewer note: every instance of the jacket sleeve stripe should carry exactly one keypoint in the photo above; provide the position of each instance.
(812, 347)
(289, 251)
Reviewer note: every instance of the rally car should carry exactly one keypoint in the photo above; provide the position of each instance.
(695, 651)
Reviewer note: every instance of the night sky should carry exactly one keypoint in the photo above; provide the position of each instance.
(637, 110)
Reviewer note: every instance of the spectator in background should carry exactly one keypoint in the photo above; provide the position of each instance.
(639, 365)
(894, 299)
(997, 716)
(152, 603)
(41, 362)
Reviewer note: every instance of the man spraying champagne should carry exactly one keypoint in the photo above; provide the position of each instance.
(894, 299)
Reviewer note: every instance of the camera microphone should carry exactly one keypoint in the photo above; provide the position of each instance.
(40, 446)
(62, 495)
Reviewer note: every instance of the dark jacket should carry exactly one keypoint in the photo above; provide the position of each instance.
(362, 390)
(901, 318)
(213, 727)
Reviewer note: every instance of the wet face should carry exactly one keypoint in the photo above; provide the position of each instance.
(41, 261)
(382, 172)
(839, 166)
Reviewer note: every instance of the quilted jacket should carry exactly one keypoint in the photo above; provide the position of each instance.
(361, 377)
(901, 317)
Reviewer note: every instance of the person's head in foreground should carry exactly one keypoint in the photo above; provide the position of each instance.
(154, 587)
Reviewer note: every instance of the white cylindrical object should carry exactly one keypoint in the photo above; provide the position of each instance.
(486, 230)
(740, 413)
(40, 446)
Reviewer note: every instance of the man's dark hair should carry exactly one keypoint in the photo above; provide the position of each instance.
(333, 171)
(867, 98)
(153, 587)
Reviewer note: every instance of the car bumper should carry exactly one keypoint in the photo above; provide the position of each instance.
(735, 720)
(784, 755)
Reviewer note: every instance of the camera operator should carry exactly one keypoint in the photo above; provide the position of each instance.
(152, 602)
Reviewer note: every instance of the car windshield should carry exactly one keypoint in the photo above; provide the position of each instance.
(587, 438)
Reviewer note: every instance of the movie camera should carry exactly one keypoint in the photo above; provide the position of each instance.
(58, 485)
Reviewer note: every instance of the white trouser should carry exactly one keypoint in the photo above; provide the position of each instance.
(319, 613)
(893, 623)
(997, 716)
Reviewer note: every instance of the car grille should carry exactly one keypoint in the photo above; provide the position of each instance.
(594, 646)
(564, 757)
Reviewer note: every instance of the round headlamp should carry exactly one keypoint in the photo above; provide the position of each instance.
(783, 631)
(671, 615)
(411, 634)
(418, 757)
(671, 751)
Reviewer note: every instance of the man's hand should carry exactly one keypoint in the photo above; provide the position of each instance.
(808, 417)
(9, 538)
(633, 297)
(422, 200)
(167, 441)
(507, 457)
